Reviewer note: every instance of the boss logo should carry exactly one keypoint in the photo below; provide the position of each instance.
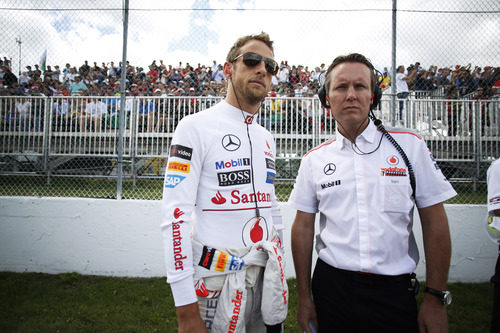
(234, 178)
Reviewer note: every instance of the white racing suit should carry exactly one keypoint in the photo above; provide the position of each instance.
(215, 178)
(235, 293)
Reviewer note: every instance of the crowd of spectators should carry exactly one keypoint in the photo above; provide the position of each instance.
(209, 80)
(100, 82)
(464, 78)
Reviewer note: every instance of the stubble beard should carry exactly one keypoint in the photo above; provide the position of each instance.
(252, 96)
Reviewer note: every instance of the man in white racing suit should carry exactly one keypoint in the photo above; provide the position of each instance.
(221, 223)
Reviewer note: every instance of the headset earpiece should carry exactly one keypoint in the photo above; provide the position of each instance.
(227, 70)
(322, 97)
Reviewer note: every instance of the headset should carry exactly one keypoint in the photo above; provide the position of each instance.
(377, 95)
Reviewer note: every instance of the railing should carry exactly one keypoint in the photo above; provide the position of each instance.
(53, 130)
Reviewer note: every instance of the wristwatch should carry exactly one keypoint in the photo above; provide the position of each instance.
(444, 296)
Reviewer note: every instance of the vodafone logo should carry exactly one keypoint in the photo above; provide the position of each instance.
(269, 153)
(392, 160)
(254, 231)
(248, 120)
(218, 199)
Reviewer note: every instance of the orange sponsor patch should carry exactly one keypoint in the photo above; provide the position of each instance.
(178, 166)
(221, 262)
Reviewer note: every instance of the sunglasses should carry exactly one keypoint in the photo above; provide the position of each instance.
(253, 59)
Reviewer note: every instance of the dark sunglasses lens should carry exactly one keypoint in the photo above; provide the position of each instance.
(251, 60)
(271, 66)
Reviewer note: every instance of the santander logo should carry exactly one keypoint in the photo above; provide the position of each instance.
(177, 241)
(218, 199)
(178, 213)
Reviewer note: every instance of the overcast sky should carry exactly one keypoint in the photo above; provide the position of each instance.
(305, 32)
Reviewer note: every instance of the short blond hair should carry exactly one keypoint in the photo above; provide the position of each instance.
(235, 49)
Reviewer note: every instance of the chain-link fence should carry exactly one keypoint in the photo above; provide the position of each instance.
(51, 146)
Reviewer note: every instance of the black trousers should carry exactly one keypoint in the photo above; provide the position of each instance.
(349, 301)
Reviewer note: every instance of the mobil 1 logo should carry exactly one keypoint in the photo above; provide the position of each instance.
(234, 177)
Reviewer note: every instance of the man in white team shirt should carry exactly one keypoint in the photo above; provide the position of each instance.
(493, 177)
(361, 186)
(220, 218)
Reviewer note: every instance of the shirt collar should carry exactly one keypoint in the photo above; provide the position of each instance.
(238, 115)
(368, 136)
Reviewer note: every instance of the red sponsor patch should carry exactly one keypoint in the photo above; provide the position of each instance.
(178, 213)
(218, 199)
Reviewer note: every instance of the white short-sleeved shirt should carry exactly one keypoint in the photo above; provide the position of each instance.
(365, 200)
(493, 177)
(401, 85)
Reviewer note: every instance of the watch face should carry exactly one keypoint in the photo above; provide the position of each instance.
(447, 298)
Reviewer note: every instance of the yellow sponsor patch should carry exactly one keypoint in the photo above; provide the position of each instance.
(221, 262)
(178, 166)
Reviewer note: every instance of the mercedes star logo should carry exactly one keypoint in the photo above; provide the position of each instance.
(329, 169)
(231, 142)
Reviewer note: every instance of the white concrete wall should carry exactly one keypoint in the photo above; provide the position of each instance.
(122, 238)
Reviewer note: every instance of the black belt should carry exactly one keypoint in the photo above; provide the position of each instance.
(375, 279)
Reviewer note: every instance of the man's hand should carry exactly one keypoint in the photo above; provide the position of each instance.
(189, 319)
(432, 316)
(306, 313)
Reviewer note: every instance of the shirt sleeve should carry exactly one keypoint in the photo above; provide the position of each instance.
(303, 196)
(432, 187)
(179, 197)
(275, 208)
(493, 177)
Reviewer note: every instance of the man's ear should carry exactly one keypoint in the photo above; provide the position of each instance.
(228, 68)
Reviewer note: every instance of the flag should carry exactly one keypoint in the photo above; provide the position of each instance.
(43, 61)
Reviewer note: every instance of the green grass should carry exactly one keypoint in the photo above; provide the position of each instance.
(31, 302)
(151, 189)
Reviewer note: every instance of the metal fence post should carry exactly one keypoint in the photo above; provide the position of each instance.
(122, 103)
(47, 124)
(393, 62)
(477, 142)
